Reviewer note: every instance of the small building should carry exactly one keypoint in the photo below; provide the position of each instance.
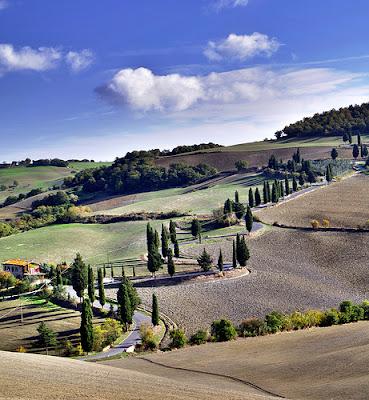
(23, 269)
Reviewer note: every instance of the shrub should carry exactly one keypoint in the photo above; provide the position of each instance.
(298, 320)
(314, 317)
(326, 223)
(200, 337)
(252, 327)
(331, 317)
(21, 349)
(275, 322)
(365, 307)
(223, 330)
(178, 337)
(147, 337)
(106, 333)
(315, 224)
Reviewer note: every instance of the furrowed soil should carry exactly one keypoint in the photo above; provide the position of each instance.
(344, 204)
(319, 363)
(290, 270)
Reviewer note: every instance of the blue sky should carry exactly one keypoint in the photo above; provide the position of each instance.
(95, 78)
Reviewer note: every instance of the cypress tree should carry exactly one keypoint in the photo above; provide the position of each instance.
(124, 306)
(52, 273)
(277, 187)
(249, 219)
(301, 180)
(171, 266)
(172, 231)
(359, 139)
(220, 260)
(355, 151)
(228, 207)
(334, 154)
(274, 193)
(269, 191)
(91, 285)
(59, 278)
(238, 246)
(287, 186)
(176, 249)
(234, 255)
(265, 193)
(243, 253)
(155, 311)
(149, 237)
(281, 189)
(236, 197)
(257, 197)
(328, 173)
(132, 293)
(251, 198)
(364, 151)
(104, 271)
(196, 228)
(79, 276)
(349, 137)
(156, 240)
(86, 329)
(154, 261)
(100, 280)
(294, 184)
(239, 210)
(205, 261)
(164, 241)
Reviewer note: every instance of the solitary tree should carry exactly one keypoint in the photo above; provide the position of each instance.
(176, 249)
(249, 219)
(234, 255)
(171, 266)
(243, 253)
(205, 261)
(251, 198)
(257, 197)
(164, 241)
(172, 231)
(241, 165)
(355, 151)
(294, 184)
(100, 279)
(155, 311)
(79, 276)
(91, 285)
(86, 330)
(124, 306)
(274, 193)
(47, 336)
(328, 173)
(220, 260)
(287, 186)
(195, 228)
(334, 153)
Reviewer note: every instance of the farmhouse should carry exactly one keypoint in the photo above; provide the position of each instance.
(22, 268)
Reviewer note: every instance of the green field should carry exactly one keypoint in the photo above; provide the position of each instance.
(80, 166)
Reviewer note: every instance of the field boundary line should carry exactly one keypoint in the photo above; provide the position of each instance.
(247, 383)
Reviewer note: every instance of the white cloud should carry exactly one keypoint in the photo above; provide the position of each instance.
(41, 59)
(144, 91)
(3, 4)
(220, 4)
(241, 47)
(203, 96)
(79, 61)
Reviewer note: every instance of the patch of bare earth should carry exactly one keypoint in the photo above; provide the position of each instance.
(320, 363)
(290, 270)
(344, 204)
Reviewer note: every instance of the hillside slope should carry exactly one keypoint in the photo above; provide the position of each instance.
(320, 363)
(35, 377)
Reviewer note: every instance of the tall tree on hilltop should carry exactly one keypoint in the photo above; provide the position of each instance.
(170, 264)
(86, 329)
(234, 255)
(79, 276)
(257, 197)
(124, 306)
(249, 219)
(172, 231)
(91, 285)
(164, 241)
(100, 281)
(220, 261)
(251, 198)
(155, 311)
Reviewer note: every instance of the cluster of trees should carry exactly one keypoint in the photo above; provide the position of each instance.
(134, 173)
(14, 199)
(155, 258)
(345, 122)
(190, 148)
(55, 162)
(56, 199)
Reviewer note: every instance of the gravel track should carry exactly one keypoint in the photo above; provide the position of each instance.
(290, 270)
